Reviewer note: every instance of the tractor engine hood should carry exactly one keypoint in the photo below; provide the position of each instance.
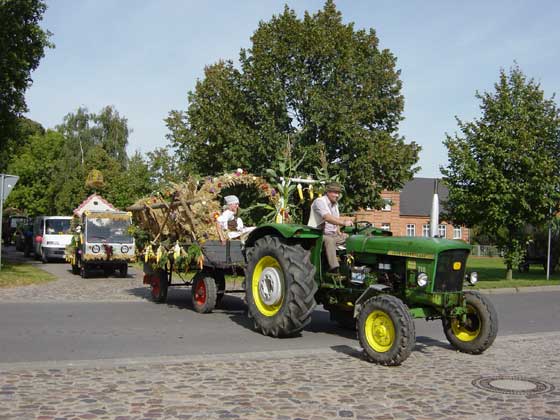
(425, 248)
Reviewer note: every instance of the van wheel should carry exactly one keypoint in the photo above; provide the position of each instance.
(84, 271)
(123, 270)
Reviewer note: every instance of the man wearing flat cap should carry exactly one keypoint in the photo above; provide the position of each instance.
(324, 212)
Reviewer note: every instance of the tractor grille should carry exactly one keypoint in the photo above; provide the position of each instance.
(449, 279)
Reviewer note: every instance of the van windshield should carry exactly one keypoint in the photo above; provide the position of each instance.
(108, 230)
(57, 226)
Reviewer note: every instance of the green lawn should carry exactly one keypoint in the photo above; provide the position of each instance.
(13, 275)
(492, 272)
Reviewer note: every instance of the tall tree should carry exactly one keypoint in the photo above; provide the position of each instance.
(319, 82)
(163, 167)
(216, 133)
(22, 45)
(503, 170)
(37, 167)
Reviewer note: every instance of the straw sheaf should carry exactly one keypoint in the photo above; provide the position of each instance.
(187, 211)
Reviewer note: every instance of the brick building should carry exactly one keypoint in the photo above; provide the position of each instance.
(407, 212)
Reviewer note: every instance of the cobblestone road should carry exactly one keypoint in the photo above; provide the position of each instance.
(434, 383)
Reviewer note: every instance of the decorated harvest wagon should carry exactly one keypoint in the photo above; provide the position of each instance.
(175, 232)
(101, 238)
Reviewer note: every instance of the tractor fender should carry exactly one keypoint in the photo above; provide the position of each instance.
(286, 231)
(372, 290)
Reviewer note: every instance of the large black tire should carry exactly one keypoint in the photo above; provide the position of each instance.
(280, 287)
(480, 330)
(123, 270)
(204, 293)
(386, 330)
(159, 282)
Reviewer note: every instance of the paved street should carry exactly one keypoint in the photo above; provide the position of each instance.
(98, 349)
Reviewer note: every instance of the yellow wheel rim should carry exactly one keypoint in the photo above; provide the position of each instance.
(380, 331)
(467, 332)
(267, 286)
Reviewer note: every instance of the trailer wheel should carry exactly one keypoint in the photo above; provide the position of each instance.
(204, 293)
(159, 283)
(479, 330)
(280, 287)
(386, 330)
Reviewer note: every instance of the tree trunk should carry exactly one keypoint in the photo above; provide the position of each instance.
(509, 273)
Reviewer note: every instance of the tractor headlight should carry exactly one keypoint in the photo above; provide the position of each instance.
(124, 249)
(95, 249)
(422, 279)
(473, 278)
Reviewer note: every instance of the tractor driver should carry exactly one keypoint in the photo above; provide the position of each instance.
(324, 211)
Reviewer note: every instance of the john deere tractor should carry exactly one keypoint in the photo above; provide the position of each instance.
(384, 283)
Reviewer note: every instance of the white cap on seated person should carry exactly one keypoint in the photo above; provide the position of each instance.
(231, 199)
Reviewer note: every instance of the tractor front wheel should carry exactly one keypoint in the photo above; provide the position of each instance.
(204, 293)
(478, 330)
(280, 287)
(159, 284)
(386, 330)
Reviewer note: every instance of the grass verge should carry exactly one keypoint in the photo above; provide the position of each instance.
(14, 275)
(492, 273)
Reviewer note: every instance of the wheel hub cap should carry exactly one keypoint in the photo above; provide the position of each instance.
(270, 286)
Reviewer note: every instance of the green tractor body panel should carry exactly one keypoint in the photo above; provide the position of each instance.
(286, 231)
(375, 262)
(425, 248)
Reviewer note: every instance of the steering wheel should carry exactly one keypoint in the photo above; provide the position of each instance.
(362, 225)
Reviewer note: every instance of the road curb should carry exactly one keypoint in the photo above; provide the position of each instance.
(527, 289)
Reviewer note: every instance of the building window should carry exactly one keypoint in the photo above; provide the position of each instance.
(410, 230)
(385, 226)
(387, 204)
(426, 231)
(457, 232)
(442, 232)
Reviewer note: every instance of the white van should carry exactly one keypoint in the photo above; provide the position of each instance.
(51, 234)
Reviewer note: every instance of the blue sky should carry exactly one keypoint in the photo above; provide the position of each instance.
(144, 56)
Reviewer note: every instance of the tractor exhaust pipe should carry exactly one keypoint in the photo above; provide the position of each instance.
(434, 216)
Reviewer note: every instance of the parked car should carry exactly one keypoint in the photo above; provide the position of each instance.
(9, 227)
(51, 235)
(24, 237)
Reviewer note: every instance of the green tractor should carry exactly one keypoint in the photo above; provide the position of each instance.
(384, 283)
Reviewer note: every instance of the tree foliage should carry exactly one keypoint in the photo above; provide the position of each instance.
(22, 45)
(37, 168)
(315, 80)
(503, 170)
(53, 167)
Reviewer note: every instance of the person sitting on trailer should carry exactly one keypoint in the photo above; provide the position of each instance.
(228, 224)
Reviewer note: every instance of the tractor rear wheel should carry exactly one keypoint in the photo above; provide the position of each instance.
(280, 287)
(480, 328)
(204, 293)
(159, 284)
(386, 330)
